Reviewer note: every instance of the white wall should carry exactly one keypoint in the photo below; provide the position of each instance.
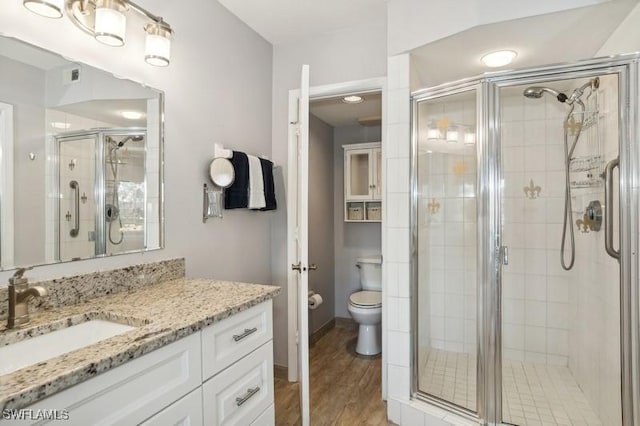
(27, 94)
(218, 89)
(352, 240)
(321, 207)
(352, 54)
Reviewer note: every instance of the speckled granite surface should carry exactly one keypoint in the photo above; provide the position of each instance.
(164, 313)
(75, 289)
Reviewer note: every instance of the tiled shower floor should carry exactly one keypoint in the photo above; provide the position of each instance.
(533, 394)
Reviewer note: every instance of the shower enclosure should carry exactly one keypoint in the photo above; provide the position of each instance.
(101, 207)
(525, 238)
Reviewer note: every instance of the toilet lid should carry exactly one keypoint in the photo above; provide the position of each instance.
(369, 299)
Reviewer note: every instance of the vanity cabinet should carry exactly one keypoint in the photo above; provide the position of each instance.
(363, 182)
(221, 374)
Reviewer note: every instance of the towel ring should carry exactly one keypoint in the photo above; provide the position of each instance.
(221, 172)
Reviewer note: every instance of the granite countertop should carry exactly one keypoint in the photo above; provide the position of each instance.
(162, 314)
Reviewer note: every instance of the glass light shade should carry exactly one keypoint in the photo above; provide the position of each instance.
(499, 58)
(469, 137)
(433, 133)
(46, 8)
(452, 134)
(111, 23)
(158, 45)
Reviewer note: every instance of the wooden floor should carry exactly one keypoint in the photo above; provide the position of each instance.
(345, 389)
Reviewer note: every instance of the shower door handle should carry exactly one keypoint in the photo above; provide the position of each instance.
(608, 216)
(76, 201)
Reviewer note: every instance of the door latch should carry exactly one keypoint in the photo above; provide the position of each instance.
(296, 267)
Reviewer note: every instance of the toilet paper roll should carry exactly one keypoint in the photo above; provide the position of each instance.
(315, 301)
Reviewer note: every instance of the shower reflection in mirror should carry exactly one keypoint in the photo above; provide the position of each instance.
(110, 170)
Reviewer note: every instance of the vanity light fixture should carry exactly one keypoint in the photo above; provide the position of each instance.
(131, 115)
(452, 134)
(499, 58)
(469, 137)
(110, 22)
(353, 99)
(106, 21)
(46, 8)
(158, 44)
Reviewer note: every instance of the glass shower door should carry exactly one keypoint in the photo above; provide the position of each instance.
(561, 313)
(446, 225)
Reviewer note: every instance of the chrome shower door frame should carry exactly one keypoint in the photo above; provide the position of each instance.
(468, 85)
(489, 223)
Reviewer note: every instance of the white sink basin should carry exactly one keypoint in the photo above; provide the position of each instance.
(50, 345)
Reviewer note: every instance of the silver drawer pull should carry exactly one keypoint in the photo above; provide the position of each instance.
(250, 393)
(247, 332)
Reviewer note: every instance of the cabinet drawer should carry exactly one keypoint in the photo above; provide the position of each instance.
(238, 395)
(267, 418)
(232, 338)
(187, 411)
(133, 391)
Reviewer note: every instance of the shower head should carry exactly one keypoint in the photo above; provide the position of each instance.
(536, 92)
(135, 138)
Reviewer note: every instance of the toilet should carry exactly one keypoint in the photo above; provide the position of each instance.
(365, 306)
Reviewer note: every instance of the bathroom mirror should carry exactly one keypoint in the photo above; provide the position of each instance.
(81, 160)
(221, 172)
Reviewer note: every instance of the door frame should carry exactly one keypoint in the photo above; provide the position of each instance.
(316, 93)
(6, 186)
(490, 228)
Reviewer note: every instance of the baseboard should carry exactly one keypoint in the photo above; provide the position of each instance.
(322, 331)
(280, 372)
(346, 323)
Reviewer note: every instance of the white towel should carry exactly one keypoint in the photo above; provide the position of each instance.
(256, 184)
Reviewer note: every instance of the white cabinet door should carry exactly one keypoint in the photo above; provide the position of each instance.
(187, 411)
(239, 394)
(358, 183)
(376, 177)
(229, 340)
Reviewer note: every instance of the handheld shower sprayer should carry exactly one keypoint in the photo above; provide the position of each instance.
(536, 92)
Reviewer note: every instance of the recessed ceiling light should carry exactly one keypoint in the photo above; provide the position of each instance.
(353, 99)
(60, 125)
(499, 58)
(131, 115)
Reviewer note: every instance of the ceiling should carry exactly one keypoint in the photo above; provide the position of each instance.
(27, 54)
(109, 111)
(336, 113)
(545, 39)
(282, 21)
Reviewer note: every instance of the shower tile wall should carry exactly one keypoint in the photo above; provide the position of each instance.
(552, 316)
(535, 288)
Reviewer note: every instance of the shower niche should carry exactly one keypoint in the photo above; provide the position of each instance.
(102, 207)
(523, 292)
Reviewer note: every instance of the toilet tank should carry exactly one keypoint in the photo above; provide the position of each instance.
(370, 273)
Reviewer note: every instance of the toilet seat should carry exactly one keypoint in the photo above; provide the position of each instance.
(366, 299)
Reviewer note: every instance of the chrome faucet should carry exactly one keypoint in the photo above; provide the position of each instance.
(19, 292)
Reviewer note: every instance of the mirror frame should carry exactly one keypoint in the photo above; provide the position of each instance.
(161, 172)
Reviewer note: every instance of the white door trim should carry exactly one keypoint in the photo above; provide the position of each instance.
(6, 186)
(319, 92)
